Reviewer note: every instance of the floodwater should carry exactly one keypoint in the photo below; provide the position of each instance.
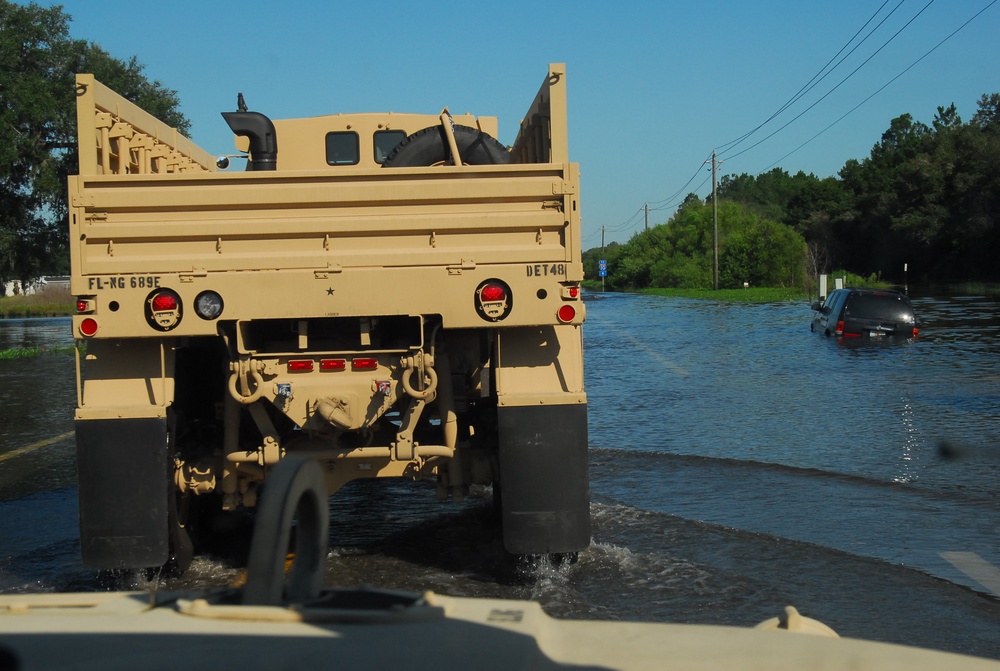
(739, 463)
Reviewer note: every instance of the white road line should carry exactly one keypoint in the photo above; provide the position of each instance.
(977, 568)
(667, 363)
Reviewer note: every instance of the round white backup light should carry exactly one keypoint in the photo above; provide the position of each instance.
(208, 305)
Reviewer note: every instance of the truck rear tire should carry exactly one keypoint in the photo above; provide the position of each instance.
(430, 147)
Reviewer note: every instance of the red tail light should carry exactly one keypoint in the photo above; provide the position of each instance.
(364, 363)
(300, 365)
(493, 300)
(164, 301)
(88, 327)
(566, 314)
(840, 328)
(333, 364)
(163, 309)
(494, 292)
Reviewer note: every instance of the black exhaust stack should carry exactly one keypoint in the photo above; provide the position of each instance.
(260, 130)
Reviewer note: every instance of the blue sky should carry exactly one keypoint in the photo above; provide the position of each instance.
(654, 86)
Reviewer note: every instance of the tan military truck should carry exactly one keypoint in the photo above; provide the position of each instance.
(397, 295)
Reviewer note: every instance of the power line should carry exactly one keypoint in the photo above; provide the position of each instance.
(695, 190)
(884, 86)
(825, 71)
(679, 191)
(841, 82)
(814, 81)
(626, 224)
(808, 86)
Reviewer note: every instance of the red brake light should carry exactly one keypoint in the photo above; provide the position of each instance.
(84, 305)
(574, 292)
(164, 301)
(493, 292)
(163, 309)
(364, 363)
(493, 300)
(88, 326)
(566, 313)
(333, 364)
(300, 365)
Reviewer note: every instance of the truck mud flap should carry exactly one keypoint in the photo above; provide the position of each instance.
(122, 466)
(545, 501)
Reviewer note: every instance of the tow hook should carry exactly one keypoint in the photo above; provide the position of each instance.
(239, 385)
(423, 365)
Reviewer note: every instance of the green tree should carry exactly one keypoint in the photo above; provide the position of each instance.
(865, 241)
(927, 197)
(762, 253)
(988, 114)
(38, 129)
(686, 261)
(678, 254)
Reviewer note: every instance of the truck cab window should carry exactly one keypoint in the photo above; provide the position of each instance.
(342, 148)
(385, 142)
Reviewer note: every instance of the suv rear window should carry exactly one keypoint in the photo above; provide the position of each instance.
(879, 306)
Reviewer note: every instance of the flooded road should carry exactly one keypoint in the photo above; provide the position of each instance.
(739, 463)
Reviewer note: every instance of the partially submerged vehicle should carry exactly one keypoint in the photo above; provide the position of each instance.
(865, 313)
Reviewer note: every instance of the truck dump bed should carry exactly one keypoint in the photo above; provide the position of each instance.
(179, 221)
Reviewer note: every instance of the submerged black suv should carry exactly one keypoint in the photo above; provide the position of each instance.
(873, 313)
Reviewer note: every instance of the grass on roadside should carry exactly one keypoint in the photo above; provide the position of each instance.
(50, 302)
(32, 351)
(20, 352)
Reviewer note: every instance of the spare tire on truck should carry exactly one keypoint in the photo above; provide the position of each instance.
(430, 147)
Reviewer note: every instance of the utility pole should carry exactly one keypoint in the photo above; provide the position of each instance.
(602, 240)
(715, 228)
(646, 206)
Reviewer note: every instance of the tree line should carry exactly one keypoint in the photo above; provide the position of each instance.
(38, 130)
(927, 198)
